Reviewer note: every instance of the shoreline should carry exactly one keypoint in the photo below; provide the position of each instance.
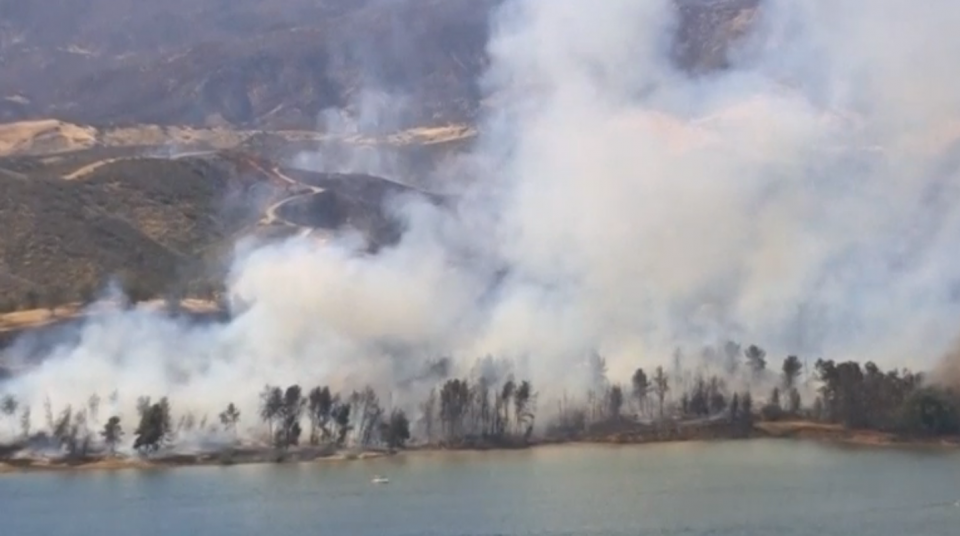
(173, 461)
(792, 431)
(838, 435)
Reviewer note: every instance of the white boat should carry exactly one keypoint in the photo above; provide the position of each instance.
(380, 480)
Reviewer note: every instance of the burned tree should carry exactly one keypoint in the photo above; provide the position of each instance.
(320, 404)
(271, 405)
(112, 433)
(289, 414)
(368, 413)
(229, 419)
(341, 418)
(154, 428)
(661, 386)
(396, 431)
(640, 388)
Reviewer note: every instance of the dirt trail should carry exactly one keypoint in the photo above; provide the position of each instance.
(90, 168)
(270, 216)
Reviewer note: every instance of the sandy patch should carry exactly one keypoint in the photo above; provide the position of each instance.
(38, 317)
(34, 318)
(839, 434)
(48, 135)
(432, 135)
(111, 464)
(147, 135)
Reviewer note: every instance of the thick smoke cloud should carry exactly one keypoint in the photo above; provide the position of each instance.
(615, 204)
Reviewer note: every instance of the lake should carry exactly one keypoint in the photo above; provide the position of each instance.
(759, 487)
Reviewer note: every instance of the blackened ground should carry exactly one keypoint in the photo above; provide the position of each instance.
(357, 202)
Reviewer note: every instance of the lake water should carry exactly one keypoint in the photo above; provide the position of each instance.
(748, 488)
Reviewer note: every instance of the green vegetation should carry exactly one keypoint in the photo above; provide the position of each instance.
(155, 224)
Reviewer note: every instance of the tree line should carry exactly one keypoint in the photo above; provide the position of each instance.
(491, 408)
(456, 412)
(482, 411)
(848, 393)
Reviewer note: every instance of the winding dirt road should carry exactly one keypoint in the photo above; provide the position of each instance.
(271, 216)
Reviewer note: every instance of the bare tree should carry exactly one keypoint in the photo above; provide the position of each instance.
(291, 410)
(367, 415)
(661, 386)
(48, 414)
(229, 419)
(62, 426)
(9, 406)
(794, 402)
(25, 422)
(93, 405)
(319, 406)
(271, 404)
(428, 411)
(756, 360)
(503, 403)
(615, 402)
(731, 354)
(641, 386)
(523, 401)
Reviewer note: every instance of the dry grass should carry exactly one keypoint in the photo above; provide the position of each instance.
(36, 318)
(432, 135)
(150, 220)
(44, 135)
(52, 138)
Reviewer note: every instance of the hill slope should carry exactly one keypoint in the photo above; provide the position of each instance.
(162, 224)
(274, 64)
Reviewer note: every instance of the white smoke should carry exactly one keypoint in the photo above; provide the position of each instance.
(354, 132)
(623, 206)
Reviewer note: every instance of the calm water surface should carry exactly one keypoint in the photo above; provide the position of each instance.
(735, 488)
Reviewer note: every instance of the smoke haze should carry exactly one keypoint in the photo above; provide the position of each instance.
(613, 203)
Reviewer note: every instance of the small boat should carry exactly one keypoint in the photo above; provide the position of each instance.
(380, 480)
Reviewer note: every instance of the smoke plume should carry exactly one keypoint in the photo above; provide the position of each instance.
(614, 203)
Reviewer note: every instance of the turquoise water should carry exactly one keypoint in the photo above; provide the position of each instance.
(732, 488)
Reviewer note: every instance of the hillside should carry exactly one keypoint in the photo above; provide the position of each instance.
(267, 64)
(275, 64)
(163, 110)
(73, 221)
(144, 217)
